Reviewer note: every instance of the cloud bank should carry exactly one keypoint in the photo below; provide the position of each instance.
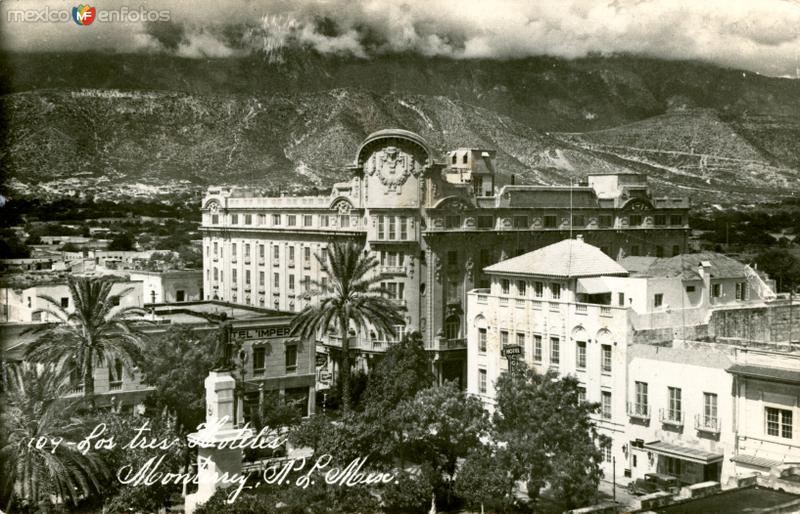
(757, 35)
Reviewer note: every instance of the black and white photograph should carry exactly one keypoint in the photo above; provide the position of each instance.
(399, 256)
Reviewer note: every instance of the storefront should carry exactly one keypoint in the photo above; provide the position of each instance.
(689, 465)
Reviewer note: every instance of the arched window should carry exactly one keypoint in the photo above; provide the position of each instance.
(452, 326)
(454, 157)
(464, 159)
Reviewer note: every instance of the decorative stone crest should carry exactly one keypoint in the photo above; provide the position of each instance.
(213, 206)
(392, 166)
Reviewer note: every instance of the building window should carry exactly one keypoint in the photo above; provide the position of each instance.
(248, 219)
(716, 290)
(659, 251)
(555, 356)
(676, 219)
(676, 250)
(233, 277)
(344, 221)
(605, 404)
(276, 280)
(452, 221)
(504, 338)
(550, 221)
(216, 249)
(641, 399)
(115, 375)
(247, 277)
(64, 302)
(482, 380)
(485, 221)
(215, 219)
(522, 287)
(234, 252)
(392, 233)
(606, 221)
(635, 250)
(660, 220)
(521, 342)
(578, 221)
(555, 291)
(580, 354)
(259, 358)
(675, 412)
(216, 274)
(537, 348)
(690, 289)
(381, 222)
(741, 291)
(452, 327)
(452, 257)
(291, 358)
(605, 351)
(658, 300)
(291, 282)
(247, 250)
(710, 410)
(482, 340)
(323, 220)
(234, 219)
(307, 255)
(486, 257)
(308, 220)
(634, 220)
(464, 159)
(260, 251)
(291, 220)
(262, 219)
(520, 222)
(276, 253)
(276, 220)
(261, 276)
(581, 394)
(607, 452)
(291, 256)
(621, 299)
(505, 286)
(779, 422)
(404, 227)
(538, 289)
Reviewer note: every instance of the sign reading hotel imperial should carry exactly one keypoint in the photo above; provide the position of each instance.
(433, 221)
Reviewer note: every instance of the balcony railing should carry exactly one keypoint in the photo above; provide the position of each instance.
(581, 309)
(483, 299)
(707, 424)
(458, 343)
(605, 312)
(393, 270)
(115, 385)
(671, 417)
(638, 410)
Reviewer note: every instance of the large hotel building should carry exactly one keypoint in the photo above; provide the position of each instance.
(433, 222)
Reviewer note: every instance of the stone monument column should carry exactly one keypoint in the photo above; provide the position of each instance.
(213, 461)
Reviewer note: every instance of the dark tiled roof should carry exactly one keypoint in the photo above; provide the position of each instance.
(684, 266)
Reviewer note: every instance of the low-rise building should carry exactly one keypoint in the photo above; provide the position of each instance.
(170, 286)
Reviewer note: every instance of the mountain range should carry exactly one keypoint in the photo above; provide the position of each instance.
(718, 135)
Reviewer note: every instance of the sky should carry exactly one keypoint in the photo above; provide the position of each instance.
(756, 35)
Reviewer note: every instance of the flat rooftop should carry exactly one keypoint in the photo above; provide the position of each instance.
(749, 499)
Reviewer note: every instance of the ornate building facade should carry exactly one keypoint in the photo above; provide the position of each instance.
(433, 222)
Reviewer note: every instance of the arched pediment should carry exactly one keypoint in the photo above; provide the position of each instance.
(637, 204)
(341, 204)
(385, 137)
(453, 202)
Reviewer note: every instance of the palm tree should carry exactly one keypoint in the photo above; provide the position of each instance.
(352, 295)
(33, 410)
(96, 331)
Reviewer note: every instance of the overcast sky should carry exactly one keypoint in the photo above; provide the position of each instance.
(757, 35)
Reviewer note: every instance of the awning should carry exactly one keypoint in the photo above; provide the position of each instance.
(593, 285)
(683, 452)
(757, 462)
(766, 373)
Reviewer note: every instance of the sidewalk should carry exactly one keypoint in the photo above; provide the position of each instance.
(623, 497)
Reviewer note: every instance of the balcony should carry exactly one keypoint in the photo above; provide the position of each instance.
(392, 270)
(707, 424)
(639, 411)
(581, 309)
(671, 417)
(459, 343)
(606, 312)
(116, 385)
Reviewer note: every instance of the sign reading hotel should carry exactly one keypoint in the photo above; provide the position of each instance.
(261, 333)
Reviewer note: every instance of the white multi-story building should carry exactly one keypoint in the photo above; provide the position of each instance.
(680, 411)
(432, 221)
(573, 309)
